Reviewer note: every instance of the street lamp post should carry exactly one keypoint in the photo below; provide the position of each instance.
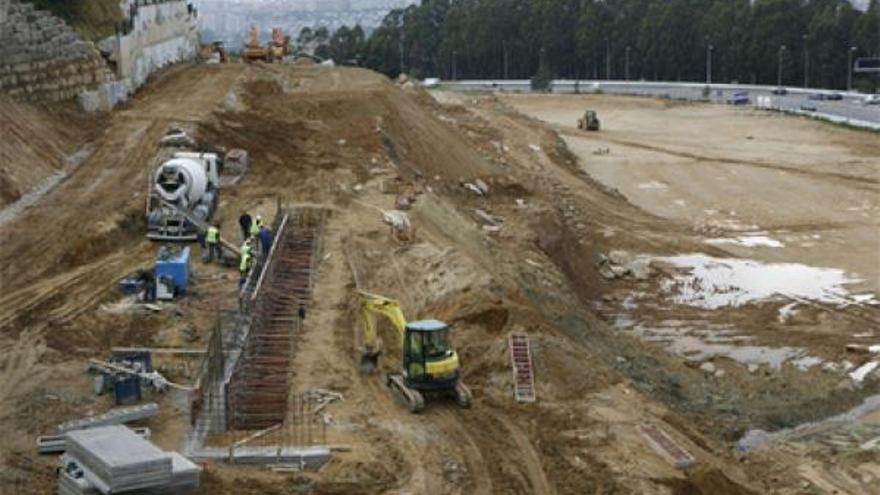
(504, 48)
(849, 73)
(607, 58)
(400, 42)
(627, 62)
(779, 71)
(806, 60)
(454, 68)
(709, 49)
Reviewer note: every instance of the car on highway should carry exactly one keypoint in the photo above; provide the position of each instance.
(806, 107)
(834, 97)
(780, 91)
(871, 100)
(739, 98)
(817, 97)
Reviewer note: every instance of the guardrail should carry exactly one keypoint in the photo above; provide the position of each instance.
(588, 85)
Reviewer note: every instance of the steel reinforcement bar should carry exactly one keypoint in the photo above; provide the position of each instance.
(257, 394)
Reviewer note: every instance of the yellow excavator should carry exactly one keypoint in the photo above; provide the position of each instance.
(430, 364)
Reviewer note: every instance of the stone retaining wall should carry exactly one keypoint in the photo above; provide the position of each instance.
(42, 58)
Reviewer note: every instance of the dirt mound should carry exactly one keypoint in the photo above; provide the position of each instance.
(708, 481)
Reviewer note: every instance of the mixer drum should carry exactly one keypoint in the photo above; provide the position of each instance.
(181, 181)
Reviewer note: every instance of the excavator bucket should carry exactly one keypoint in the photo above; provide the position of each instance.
(370, 360)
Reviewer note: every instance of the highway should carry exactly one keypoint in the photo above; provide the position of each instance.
(850, 109)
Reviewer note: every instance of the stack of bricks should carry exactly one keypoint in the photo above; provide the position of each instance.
(42, 58)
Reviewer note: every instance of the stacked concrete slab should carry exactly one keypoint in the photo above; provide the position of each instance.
(113, 459)
(184, 474)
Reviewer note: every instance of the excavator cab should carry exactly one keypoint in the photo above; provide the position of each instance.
(429, 362)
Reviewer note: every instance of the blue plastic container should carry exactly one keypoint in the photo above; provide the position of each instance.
(127, 390)
(174, 264)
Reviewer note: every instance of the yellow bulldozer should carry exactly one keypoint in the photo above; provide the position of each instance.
(430, 365)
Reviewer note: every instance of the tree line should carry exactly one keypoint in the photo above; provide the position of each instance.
(740, 41)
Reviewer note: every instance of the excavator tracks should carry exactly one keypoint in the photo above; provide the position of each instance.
(410, 397)
(462, 394)
(415, 400)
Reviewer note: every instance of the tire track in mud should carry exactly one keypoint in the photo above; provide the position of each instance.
(385, 405)
(865, 183)
(82, 289)
(504, 454)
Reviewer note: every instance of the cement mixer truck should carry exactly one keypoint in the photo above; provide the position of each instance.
(183, 192)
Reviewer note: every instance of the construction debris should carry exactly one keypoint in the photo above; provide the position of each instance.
(620, 264)
(487, 219)
(153, 379)
(177, 137)
(401, 228)
(473, 188)
(117, 416)
(322, 398)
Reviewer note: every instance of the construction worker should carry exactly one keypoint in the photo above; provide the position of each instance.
(244, 221)
(265, 240)
(302, 314)
(212, 239)
(148, 280)
(255, 227)
(244, 266)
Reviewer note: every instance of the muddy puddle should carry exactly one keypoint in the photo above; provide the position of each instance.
(711, 283)
(701, 340)
(685, 315)
(752, 239)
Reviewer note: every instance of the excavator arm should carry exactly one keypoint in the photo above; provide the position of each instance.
(371, 305)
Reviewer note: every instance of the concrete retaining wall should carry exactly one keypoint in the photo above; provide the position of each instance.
(42, 58)
(163, 34)
(160, 34)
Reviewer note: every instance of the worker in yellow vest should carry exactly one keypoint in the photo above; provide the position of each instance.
(255, 226)
(212, 239)
(244, 266)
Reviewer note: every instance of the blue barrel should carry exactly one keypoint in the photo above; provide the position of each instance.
(127, 390)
